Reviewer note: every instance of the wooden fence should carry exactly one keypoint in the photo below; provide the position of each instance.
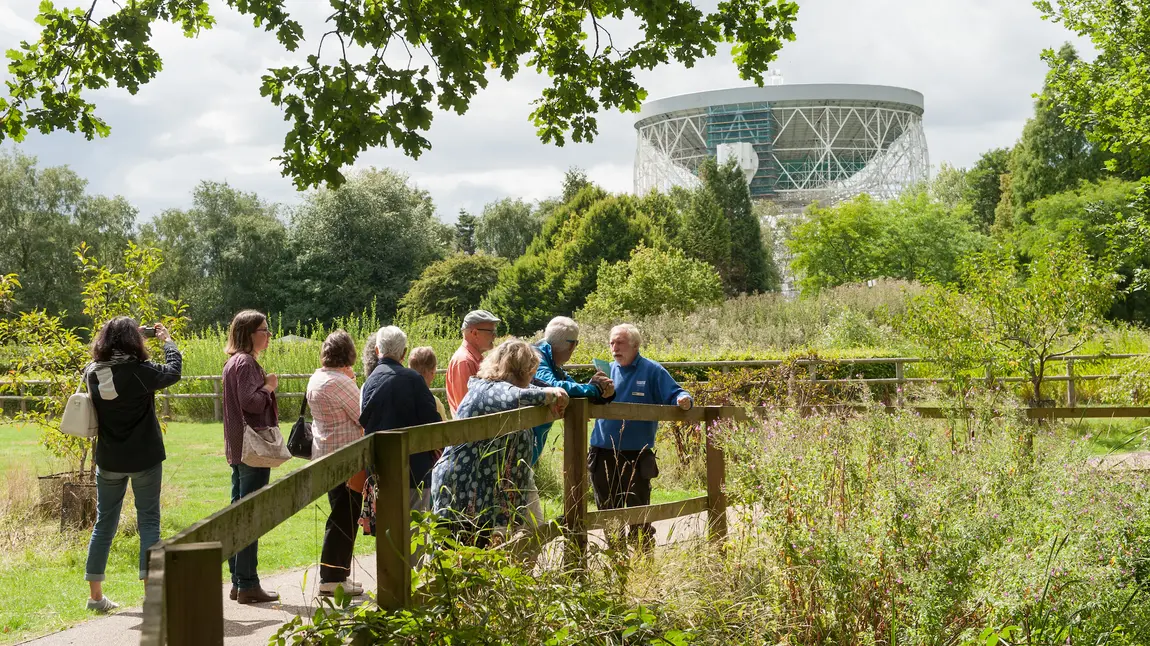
(1071, 377)
(184, 588)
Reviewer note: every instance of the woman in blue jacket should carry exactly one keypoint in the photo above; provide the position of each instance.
(559, 342)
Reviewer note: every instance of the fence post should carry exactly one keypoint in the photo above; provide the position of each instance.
(193, 594)
(575, 480)
(216, 403)
(1071, 393)
(23, 402)
(716, 474)
(167, 404)
(900, 384)
(393, 520)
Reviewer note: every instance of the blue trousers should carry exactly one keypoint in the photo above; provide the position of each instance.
(110, 489)
(243, 564)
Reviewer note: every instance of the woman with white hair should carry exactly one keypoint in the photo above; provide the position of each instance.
(483, 487)
(558, 345)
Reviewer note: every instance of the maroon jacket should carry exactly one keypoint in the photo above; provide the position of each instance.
(245, 401)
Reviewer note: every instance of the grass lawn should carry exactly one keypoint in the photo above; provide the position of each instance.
(42, 570)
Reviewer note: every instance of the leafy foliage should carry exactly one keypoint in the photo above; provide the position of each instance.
(507, 227)
(465, 232)
(464, 587)
(360, 244)
(44, 214)
(747, 270)
(1051, 156)
(44, 348)
(354, 97)
(451, 287)
(1011, 320)
(1105, 97)
(984, 186)
(561, 266)
(910, 238)
(652, 281)
(228, 252)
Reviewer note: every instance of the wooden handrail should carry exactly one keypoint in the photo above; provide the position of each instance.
(473, 429)
(244, 521)
(646, 514)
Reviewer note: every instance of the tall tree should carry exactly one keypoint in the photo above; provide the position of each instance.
(561, 266)
(1051, 156)
(949, 186)
(984, 186)
(44, 215)
(507, 227)
(367, 240)
(340, 108)
(1105, 97)
(706, 233)
(465, 232)
(747, 265)
(226, 253)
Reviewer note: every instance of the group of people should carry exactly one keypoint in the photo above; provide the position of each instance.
(481, 489)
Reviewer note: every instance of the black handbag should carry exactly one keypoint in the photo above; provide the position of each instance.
(299, 442)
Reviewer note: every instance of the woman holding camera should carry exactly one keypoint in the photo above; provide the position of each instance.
(129, 445)
(249, 399)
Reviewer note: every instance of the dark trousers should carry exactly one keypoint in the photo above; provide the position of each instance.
(243, 564)
(339, 534)
(623, 479)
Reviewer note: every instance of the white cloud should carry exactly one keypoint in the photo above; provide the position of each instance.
(975, 61)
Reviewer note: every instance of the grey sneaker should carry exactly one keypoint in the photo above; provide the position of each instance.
(104, 605)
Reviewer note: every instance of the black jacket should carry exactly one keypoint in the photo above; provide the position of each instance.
(129, 438)
(398, 397)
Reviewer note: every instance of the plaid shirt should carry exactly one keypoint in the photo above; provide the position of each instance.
(334, 401)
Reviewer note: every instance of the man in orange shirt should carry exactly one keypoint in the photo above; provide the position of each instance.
(478, 337)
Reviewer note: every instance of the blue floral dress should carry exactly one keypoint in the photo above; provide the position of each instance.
(482, 485)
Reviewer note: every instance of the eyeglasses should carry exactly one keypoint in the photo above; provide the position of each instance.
(264, 330)
(573, 342)
(490, 331)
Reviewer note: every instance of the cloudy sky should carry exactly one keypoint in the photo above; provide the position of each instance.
(975, 61)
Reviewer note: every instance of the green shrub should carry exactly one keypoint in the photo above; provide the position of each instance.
(473, 596)
(652, 281)
(562, 264)
(452, 287)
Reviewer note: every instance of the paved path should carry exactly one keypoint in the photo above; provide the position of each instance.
(1132, 461)
(255, 624)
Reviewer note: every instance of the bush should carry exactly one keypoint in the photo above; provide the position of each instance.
(561, 265)
(872, 530)
(452, 287)
(475, 596)
(653, 282)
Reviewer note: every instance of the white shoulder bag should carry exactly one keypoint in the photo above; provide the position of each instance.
(79, 418)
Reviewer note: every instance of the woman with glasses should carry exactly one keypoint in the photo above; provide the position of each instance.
(559, 342)
(249, 399)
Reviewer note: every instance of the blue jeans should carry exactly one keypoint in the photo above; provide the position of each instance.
(110, 489)
(242, 564)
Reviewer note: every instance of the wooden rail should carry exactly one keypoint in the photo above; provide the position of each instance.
(1071, 378)
(191, 558)
(183, 589)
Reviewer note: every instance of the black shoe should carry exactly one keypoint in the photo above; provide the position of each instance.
(234, 593)
(256, 595)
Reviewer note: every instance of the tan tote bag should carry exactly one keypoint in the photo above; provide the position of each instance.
(264, 447)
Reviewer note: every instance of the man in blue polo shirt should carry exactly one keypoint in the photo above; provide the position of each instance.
(622, 456)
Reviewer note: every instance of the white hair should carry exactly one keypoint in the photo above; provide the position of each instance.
(561, 328)
(391, 341)
(631, 331)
